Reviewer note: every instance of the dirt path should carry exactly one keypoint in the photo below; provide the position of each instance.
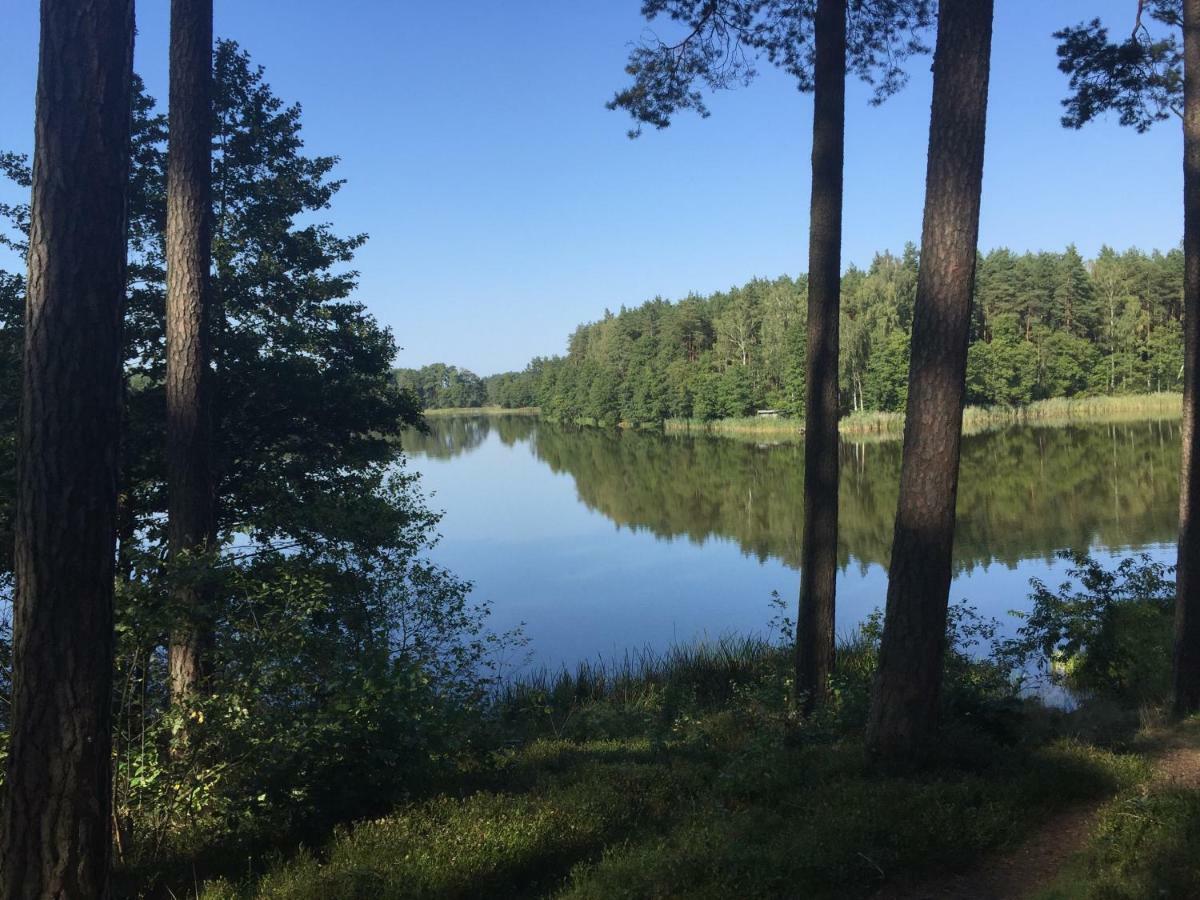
(1020, 872)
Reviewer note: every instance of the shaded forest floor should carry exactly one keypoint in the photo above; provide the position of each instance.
(696, 782)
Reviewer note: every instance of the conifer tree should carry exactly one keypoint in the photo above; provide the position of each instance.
(191, 522)
(57, 795)
(816, 41)
(907, 692)
(1146, 78)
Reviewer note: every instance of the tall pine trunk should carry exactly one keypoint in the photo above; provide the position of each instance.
(1186, 680)
(57, 813)
(904, 707)
(189, 257)
(818, 552)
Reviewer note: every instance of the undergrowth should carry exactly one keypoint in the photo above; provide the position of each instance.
(687, 774)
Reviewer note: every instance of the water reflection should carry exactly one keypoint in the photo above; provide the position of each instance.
(1024, 492)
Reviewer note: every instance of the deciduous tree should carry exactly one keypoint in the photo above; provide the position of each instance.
(815, 41)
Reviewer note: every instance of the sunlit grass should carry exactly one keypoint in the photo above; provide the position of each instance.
(483, 411)
(889, 425)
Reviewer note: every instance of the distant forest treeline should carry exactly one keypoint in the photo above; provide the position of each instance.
(1044, 325)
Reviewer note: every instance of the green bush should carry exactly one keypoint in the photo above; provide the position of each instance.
(1105, 633)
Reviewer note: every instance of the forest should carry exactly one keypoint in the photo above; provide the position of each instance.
(1044, 325)
(232, 664)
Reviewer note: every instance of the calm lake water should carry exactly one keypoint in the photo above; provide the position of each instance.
(601, 541)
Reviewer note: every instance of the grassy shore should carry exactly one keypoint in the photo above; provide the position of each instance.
(1059, 411)
(886, 425)
(684, 774)
(483, 411)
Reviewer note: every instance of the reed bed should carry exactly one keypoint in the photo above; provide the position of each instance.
(976, 419)
(709, 670)
(484, 411)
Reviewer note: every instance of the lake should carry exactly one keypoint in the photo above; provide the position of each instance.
(601, 541)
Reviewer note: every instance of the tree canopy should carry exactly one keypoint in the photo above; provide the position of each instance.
(337, 645)
(721, 40)
(1140, 78)
(1044, 325)
(439, 386)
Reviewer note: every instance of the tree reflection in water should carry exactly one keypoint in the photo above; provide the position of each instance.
(1024, 493)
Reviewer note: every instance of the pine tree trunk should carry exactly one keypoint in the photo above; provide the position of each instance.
(57, 812)
(904, 706)
(189, 258)
(818, 552)
(1186, 675)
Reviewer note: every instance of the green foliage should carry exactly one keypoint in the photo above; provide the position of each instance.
(1143, 846)
(721, 39)
(11, 331)
(1140, 78)
(12, 294)
(1045, 325)
(439, 386)
(515, 390)
(347, 671)
(1003, 372)
(340, 685)
(1106, 632)
(686, 774)
(885, 385)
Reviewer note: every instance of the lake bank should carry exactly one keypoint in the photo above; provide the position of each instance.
(1100, 410)
(688, 775)
(976, 419)
(484, 411)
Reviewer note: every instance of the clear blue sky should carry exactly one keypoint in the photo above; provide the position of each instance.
(505, 204)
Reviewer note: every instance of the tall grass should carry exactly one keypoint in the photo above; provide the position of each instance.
(706, 673)
(747, 426)
(483, 411)
(1056, 411)
(1161, 405)
(707, 667)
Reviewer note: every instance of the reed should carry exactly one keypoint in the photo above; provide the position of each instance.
(1055, 411)
(483, 411)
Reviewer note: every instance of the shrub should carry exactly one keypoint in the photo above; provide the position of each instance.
(1105, 633)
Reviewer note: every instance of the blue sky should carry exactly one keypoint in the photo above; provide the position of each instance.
(505, 204)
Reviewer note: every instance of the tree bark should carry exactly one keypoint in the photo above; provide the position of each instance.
(904, 707)
(818, 551)
(1186, 669)
(57, 813)
(190, 517)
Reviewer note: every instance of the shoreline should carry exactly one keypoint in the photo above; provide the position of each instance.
(482, 411)
(976, 419)
(890, 425)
